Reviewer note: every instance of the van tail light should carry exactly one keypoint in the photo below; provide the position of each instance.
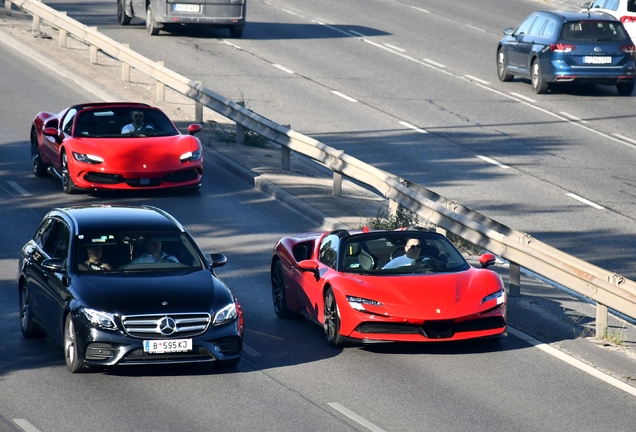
(628, 19)
(628, 48)
(563, 48)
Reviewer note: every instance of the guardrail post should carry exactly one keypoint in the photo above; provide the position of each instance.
(125, 68)
(93, 49)
(198, 108)
(601, 321)
(240, 129)
(63, 35)
(393, 206)
(161, 89)
(337, 184)
(36, 25)
(514, 280)
(285, 157)
(7, 7)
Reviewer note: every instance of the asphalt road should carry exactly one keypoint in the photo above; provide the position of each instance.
(565, 160)
(289, 378)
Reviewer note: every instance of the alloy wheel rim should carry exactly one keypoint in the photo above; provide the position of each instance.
(70, 342)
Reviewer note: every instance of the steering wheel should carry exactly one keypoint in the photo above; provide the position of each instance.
(398, 252)
(429, 261)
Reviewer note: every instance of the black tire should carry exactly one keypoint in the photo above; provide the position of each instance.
(39, 168)
(502, 71)
(151, 25)
(279, 291)
(625, 89)
(67, 182)
(539, 86)
(236, 32)
(71, 356)
(332, 320)
(30, 330)
(122, 18)
(227, 364)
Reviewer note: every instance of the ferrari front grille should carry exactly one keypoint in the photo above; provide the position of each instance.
(175, 177)
(102, 178)
(440, 329)
(167, 326)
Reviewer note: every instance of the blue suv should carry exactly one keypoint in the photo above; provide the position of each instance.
(568, 47)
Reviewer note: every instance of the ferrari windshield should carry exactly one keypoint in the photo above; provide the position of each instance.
(399, 252)
(109, 122)
(104, 252)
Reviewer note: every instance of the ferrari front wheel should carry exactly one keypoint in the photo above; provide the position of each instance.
(39, 168)
(67, 181)
(332, 320)
(279, 291)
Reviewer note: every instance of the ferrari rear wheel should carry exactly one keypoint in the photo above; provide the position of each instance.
(279, 291)
(73, 363)
(67, 181)
(39, 168)
(332, 320)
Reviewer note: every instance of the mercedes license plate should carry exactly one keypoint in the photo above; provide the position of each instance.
(180, 7)
(597, 59)
(167, 346)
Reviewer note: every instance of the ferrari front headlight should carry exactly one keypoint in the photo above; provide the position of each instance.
(87, 158)
(191, 156)
(499, 295)
(359, 302)
(99, 319)
(225, 314)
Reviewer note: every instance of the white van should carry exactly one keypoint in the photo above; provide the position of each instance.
(169, 14)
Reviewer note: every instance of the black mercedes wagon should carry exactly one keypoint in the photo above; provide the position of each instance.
(118, 285)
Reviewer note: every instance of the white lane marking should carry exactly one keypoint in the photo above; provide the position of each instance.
(24, 424)
(421, 10)
(355, 417)
(331, 27)
(572, 117)
(292, 12)
(251, 351)
(523, 97)
(344, 96)
(492, 161)
(572, 361)
(283, 68)
(624, 138)
(232, 45)
(434, 63)
(584, 201)
(475, 28)
(410, 126)
(395, 48)
(19, 188)
(357, 33)
(477, 79)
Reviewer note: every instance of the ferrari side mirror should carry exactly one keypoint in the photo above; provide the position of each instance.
(310, 266)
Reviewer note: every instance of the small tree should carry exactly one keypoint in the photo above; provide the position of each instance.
(403, 217)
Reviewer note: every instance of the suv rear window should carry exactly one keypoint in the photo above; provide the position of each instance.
(593, 31)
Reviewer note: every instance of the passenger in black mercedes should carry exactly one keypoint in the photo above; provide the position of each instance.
(94, 261)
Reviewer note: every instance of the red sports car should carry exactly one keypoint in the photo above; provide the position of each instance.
(98, 146)
(408, 285)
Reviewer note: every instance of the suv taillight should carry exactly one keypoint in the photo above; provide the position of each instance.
(561, 47)
(628, 19)
(628, 48)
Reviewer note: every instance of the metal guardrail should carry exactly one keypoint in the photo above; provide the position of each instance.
(608, 289)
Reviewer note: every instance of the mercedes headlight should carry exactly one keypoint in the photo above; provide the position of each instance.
(224, 315)
(98, 319)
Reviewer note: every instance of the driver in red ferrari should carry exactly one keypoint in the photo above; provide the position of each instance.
(412, 249)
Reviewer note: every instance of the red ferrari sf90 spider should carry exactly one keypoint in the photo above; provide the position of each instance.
(387, 286)
(98, 146)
